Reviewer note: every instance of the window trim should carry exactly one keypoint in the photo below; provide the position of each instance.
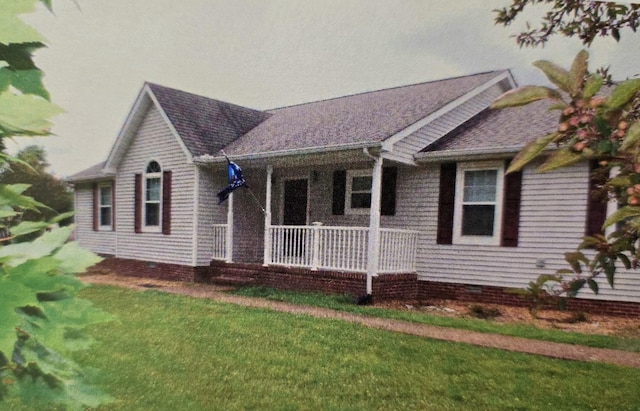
(101, 186)
(146, 176)
(462, 169)
(349, 191)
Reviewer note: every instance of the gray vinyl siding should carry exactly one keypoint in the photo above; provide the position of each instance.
(101, 242)
(208, 212)
(552, 222)
(155, 141)
(404, 149)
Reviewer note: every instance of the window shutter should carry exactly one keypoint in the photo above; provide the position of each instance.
(96, 206)
(339, 187)
(388, 200)
(137, 214)
(166, 202)
(511, 208)
(113, 205)
(596, 206)
(446, 203)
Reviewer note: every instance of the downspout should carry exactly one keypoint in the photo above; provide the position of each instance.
(374, 221)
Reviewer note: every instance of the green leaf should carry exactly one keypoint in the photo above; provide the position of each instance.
(592, 86)
(74, 259)
(593, 285)
(578, 72)
(530, 151)
(575, 286)
(559, 159)
(28, 227)
(524, 95)
(12, 28)
(610, 272)
(621, 214)
(622, 94)
(11, 195)
(620, 181)
(25, 115)
(625, 261)
(27, 81)
(633, 136)
(556, 74)
(62, 216)
(574, 259)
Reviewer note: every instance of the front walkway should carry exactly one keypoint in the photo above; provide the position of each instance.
(537, 347)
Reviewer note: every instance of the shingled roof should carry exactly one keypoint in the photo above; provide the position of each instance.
(204, 124)
(92, 173)
(361, 118)
(499, 130)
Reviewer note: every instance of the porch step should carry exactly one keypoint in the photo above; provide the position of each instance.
(231, 280)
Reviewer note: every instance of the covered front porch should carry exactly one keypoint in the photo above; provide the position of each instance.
(303, 226)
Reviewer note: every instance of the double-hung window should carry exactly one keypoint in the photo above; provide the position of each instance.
(478, 203)
(358, 192)
(152, 195)
(105, 206)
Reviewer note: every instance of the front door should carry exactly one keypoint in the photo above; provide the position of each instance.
(295, 202)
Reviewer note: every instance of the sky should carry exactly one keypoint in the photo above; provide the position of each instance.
(268, 54)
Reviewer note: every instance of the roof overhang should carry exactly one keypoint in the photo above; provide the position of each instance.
(339, 153)
(466, 155)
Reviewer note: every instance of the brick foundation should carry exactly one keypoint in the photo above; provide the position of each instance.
(385, 286)
(497, 295)
(149, 269)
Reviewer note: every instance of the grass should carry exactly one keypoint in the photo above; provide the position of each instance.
(345, 303)
(170, 352)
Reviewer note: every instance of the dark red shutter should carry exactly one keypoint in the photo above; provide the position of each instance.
(446, 202)
(113, 205)
(339, 187)
(96, 206)
(511, 209)
(388, 200)
(596, 203)
(166, 202)
(137, 213)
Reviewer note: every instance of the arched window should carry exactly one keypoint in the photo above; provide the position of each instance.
(152, 194)
(152, 200)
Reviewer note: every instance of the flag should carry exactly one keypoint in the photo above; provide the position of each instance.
(235, 180)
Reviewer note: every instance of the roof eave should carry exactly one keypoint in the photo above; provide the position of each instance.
(209, 159)
(466, 154)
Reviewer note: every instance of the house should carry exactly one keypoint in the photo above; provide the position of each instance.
(399, 193)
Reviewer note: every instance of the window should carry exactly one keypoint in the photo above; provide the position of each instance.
(478, 203)
(358, 192)
(152, 195)
(105, 206)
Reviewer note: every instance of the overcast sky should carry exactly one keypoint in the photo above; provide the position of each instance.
(267, 54)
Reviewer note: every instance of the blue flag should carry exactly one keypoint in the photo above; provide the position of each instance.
(235, 181)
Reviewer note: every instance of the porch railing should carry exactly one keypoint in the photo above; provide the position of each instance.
(219, 242)
(341, 248)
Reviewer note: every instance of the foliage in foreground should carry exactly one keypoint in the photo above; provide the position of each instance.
(593, 127)
(41, 321)
(208, 355)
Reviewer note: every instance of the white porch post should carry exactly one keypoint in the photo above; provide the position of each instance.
(374, 224)
(267, 218)
(228, 253)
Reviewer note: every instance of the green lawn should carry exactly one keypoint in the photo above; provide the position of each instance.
(345, 303)
(171, 352)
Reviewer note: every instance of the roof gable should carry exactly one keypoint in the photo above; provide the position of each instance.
(200, 124)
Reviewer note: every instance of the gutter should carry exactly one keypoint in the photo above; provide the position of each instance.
(210, 159)
(466, 154)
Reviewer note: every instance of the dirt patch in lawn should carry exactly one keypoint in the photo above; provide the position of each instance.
(548, 319)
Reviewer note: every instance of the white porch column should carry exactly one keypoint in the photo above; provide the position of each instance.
(228, 253)
(267, 218)
(374, 224)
